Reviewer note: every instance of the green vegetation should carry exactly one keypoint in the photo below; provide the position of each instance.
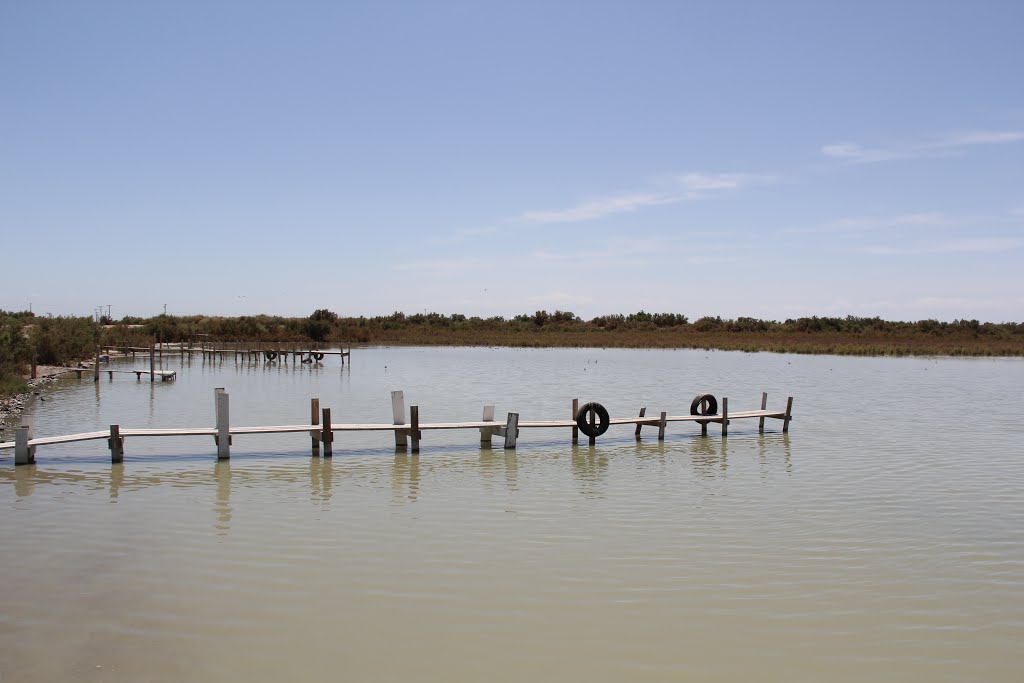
(51, 341)
(64, 340)
(849, 335)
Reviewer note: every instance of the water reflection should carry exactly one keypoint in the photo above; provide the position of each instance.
(491, 459)
(116, 480)
(320, 474)
(589, 467)
(405, 477)
(222, 508)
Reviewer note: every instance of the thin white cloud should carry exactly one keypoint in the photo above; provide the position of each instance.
(685, 187)
(866, 224)
(454, 266)
(949, 246)
(856, 153)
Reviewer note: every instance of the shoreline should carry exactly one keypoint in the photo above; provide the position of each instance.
(12, 407)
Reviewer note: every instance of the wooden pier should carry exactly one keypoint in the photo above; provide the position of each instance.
(246, 351)
(591, 419)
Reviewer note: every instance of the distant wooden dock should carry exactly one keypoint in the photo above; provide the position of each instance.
(591, 419)
(250, 351)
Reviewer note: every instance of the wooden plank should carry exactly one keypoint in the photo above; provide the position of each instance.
(789, 415)
(643, 411)
(661, 427)
(764, 405)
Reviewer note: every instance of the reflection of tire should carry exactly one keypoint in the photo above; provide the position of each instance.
(704, 404)
(270, 355)
(583, 419)
(318, 356)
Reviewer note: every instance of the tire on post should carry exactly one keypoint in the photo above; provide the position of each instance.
(704, 404)
(583, 419)
(318, 356)
(270, 355)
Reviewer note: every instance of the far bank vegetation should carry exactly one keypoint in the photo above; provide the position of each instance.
(65, 340)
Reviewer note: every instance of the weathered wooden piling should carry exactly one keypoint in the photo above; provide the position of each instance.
(643, 411)
(414, 423)
(487, 432)
(116, 444)
(398, 415)
(223, 437)
(152, 363)
(23, 453)
(314, 420)
(511, 430)
(327, 435)
(575, 429)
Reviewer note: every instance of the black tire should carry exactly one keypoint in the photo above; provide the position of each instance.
(270, 355)
(704, 404)
(583, 419)
(318, 356)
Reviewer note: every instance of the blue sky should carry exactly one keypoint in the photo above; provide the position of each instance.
(708, 158)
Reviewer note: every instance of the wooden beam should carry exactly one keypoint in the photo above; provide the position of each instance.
(223, 425)
(643, 412)
(661, 426)
(764, 406)
(327, 435)
(314, 419)
(575, 430)
(414, 421)
(23, 453)
(116, 444)
(725, 416)
(487, 432)
(398, 417)
(511, 430)
(789, 415)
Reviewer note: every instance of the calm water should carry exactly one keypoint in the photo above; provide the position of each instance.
(882, 539)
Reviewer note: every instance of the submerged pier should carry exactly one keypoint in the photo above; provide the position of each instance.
(591, 419)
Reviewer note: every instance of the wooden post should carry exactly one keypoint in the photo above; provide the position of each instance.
(703, 427)
(575, 430)
(327, 435)
(487, 432)
(789, 415)
(152, 362)
(314, 419)
(661, 426)
(398, 415)
(764, 406)
(23, 453)
(511, 430)
(414, 420)
(725, 416)
(643, 411)
(116, 444)
(96, 369)
(223, 425)
(593, 426)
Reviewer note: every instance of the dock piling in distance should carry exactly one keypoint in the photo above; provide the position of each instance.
(23, 453)
(414, 423)
(764, 406)
(575, 429)
(725, 416)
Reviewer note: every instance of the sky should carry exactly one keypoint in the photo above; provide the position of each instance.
(764, 159)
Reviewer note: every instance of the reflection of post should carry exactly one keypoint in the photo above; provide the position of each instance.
(116, 479)
(222, 472)
(320, 478)
(24, 481)
(405, 475)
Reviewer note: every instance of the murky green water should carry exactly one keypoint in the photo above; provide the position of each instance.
(881, 539)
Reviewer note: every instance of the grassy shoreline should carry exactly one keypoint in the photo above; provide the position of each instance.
(61, 340)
